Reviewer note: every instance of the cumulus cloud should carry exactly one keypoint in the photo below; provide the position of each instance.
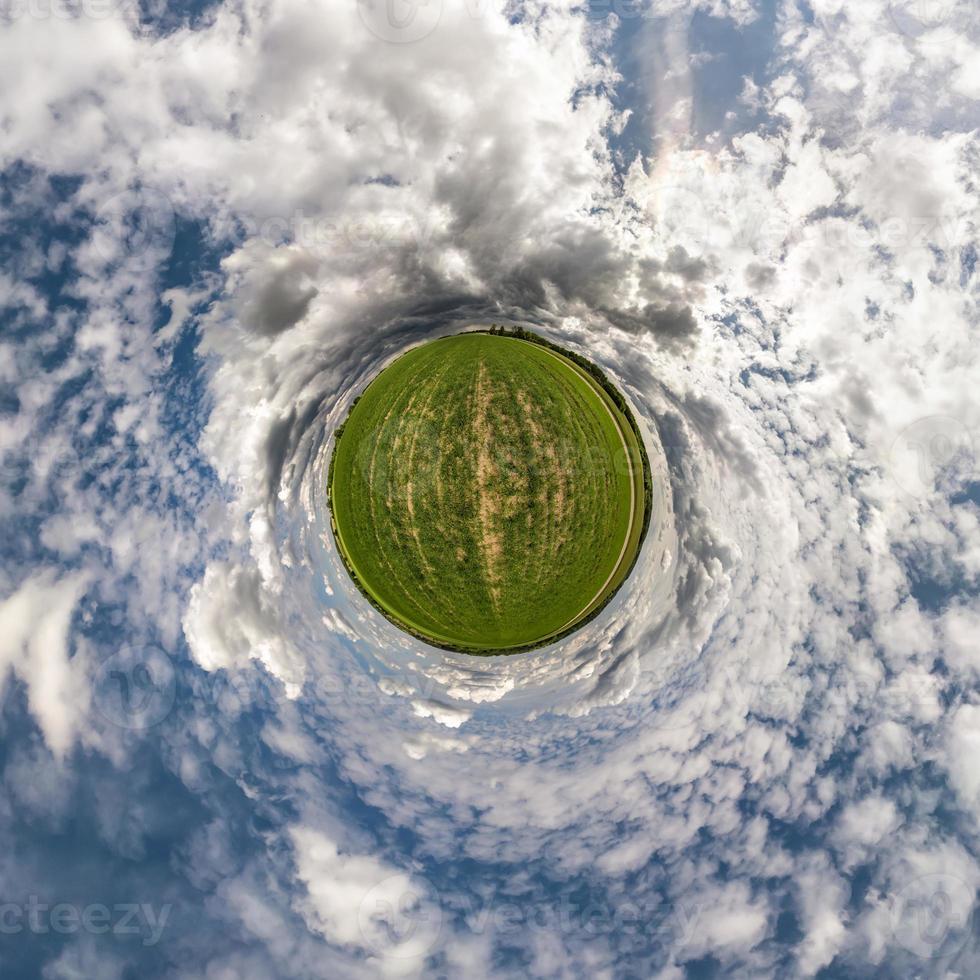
(354, 899)
(275, 291)
(35, 623)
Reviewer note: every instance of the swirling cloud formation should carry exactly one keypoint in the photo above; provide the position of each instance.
(217, 222)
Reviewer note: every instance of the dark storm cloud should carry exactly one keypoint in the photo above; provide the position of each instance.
(689, 267)
(586, 268)
(718, 432)
(758, 276)
(283, 438)
(281, 295)
(673, 325)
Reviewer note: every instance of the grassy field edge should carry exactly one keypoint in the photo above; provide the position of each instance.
(623, 419)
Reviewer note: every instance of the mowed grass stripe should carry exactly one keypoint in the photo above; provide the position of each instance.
(505, 505)
(382, 541)
(571, 390)
(631, 446)
(574, 392)
(633, 540)
(571, 428)
(442, 615)
(389, 436)
(396, 442)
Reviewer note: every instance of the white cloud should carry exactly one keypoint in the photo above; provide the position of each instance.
(356, 900)
(964, 741)
(35, 629)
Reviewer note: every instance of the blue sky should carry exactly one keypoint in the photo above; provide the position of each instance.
(217, 222)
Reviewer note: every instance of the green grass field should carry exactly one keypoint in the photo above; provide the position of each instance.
(487, 494)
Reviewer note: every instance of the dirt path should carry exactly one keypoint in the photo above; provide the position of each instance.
(487, 503)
